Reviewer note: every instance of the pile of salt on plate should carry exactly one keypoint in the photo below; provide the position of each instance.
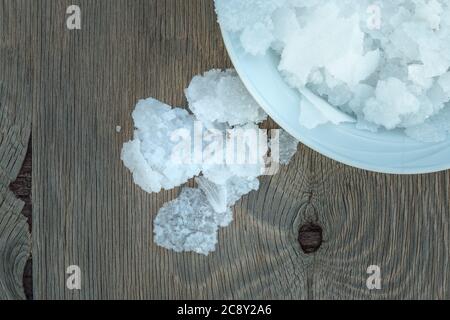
(384, 62)
(220, 103)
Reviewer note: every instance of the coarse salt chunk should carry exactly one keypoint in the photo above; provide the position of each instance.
(151, 156)
(223, 196)
(252, 18)
(392, 103)
(242, 153)
(286, 145)
(189, 223)
(340, 45)
(219, 97)
(237, 187)
(433, 130)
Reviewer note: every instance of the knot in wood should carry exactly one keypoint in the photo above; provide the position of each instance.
(310, 237)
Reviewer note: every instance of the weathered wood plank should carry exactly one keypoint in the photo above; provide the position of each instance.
(15, 127)
(399, 223)
(88, 212)
(14, 246)
(21, 187)
(86, 209)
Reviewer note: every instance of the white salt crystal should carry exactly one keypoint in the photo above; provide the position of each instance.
(286, 26)
(257, 39)
(215, 193)
(434, 129)
(143, 174)
(219, 97)
(252, 18)
(444, 83)
(236, 15)
(329, 51)
(398, 50)
(189, 223)
(245, 159)
(430, 12)
(286, 145)
(393, 102)
(223, 196)
(416, 73)
(237, 187)
(220, 103)
(150, 155)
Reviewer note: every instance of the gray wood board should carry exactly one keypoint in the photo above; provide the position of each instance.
(16, 61)
(87, 211)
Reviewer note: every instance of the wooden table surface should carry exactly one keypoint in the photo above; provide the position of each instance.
(71, 89)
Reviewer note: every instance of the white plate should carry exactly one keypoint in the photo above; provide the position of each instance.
(385, 151)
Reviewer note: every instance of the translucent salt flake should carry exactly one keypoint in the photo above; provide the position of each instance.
(223, 196)
(416, 73)
(236, 15)
(257, 39)
(189, 223)
(250, 17)
(340, 43)
(286, 145)
(237, 187)
(392, 104)
(285, 26)
(219, 97)
(215, 193)
(242, 153)
(444, 83)
(143, 174)
(152, 155)
(433, 130)
(430, 12)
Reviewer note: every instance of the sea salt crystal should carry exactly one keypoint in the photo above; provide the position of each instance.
(444, 83)
(215, 193)
(189, 223)
(286, 145)
(219, 97)
(237, 187)
(386, 63)
(434, 129)
(430, 12)
(257, 39)
(252, 18)
(223, 196)
(227, 112)
(247, 161)
(286, 26)
(392, 103)
(149, 156)
(328, 51)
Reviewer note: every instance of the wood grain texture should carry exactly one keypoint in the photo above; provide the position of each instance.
(14, 246)
(87, 211)
(15, 127)
(21, 187)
